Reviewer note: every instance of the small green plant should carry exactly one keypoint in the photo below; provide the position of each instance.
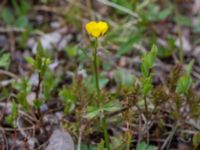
(68, 98)
(41, 64)
(98, 29)
(11, 118)
(24, 89)
(18, 15)
(148, 60)
(185, 81)
(50, 82)
(5, 60)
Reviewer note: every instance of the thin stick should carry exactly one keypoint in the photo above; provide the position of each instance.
(10, 74)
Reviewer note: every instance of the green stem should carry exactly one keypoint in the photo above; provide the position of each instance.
(96, 73)
(106, 137)
(96, 67)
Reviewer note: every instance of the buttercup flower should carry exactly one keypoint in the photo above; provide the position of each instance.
(96, 29)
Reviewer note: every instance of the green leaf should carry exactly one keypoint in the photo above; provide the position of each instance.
(145, 68)
(196, 140)
(69, 108)
(148, 60)
(144, 146)
(71, 50)
(87, 147)
(49, 83)
(67, 95)
(103, 81)
(164, 14)
(14, 110)
(37, 103)
(89, 83)
(123, 78)
(141, 146)
(68, 98)
(22, 85)
(10, 119)
(24, 89)
(25, 7)
(16, 7)
(23, 101)
(92, 112)
(146, 85)
(185, 81)
(152, 55)
(7, 16)
(30, 60)
(127, 46)
(42, 60)
(101, 145)
(22, 22)
(183, 84)
(189, 67)
(110, 107)
(183, 20)
(5, 60)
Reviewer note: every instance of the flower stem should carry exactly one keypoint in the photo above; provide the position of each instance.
(96, 73)
(106, 137)
(96, 67)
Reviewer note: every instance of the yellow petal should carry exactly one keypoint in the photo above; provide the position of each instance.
(96, 29)
(103, 27)
(96, 33)
(90, 27)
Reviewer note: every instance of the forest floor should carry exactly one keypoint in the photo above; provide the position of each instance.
(148, 70)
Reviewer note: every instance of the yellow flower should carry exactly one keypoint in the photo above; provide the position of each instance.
(96, 29)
